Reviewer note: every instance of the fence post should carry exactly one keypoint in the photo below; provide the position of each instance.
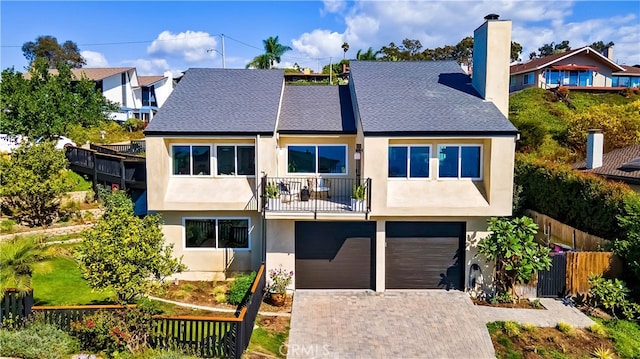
(239, 344)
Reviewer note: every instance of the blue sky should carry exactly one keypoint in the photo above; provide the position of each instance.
(159, 36)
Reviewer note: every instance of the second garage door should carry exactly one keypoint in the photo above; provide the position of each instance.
(424, 255)
(334, 255)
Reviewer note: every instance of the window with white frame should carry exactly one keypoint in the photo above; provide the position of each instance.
(317, 159)
(460, 161)
(191, 160)
(236, 160)
(409, 161)
(216, 232)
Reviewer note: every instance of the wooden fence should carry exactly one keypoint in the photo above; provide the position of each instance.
(219, 337)
(559, 232)
(15, 305)
(212, 336)
(63, 316)
(580, 265)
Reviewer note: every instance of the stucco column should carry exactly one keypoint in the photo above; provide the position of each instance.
(380, 255)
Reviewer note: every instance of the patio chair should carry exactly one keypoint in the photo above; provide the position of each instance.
(319, 187)
(290, 190)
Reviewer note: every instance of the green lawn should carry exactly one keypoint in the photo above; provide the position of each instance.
(625, 335)
(59, 281)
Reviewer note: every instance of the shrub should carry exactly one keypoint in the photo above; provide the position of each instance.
(221, 298)
(187, 287)
(603, 353)
(566, 328)
(512, 329)
(32, 183)
(38, 341)
(598, 329)
(239, 287)
(581, 200)
(619, 124)
(512, 246)
(7, 226)
(612, 295)
(279, 280)
(219, 289)
(133, 124)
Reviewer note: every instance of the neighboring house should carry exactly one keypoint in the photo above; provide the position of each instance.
(433, 156)
(152, 92)
(580, 68)
(630, 77)
(306, 75)
(622, 164)
(136, 96)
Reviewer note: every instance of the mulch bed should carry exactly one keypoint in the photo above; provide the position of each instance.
(521, 304)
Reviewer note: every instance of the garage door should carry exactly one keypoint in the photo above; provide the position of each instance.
(424, 255)
(335, 255)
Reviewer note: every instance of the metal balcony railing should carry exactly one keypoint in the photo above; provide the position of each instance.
(315, 194)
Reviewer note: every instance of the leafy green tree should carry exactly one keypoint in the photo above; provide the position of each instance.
(600, 46)
(273, 54)
(629, 248)
(512, 247)
(126, 252)
(47, 48)
(369, 55)
(32, 182)
(516, 50)
(46, 103)
(17, 257)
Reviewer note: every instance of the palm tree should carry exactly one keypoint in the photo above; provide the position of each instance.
(259, 62)
(17, 257)
(345, 48)
(273, 52)
(370, 55)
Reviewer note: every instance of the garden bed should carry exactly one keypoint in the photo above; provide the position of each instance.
(520, 304)
(511, 340)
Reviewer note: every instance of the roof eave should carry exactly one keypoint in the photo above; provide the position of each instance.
(488, 133)
(206, 133)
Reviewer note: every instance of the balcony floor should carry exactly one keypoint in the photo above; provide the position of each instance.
(335, 204)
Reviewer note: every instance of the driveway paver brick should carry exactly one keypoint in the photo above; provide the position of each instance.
(394, 324)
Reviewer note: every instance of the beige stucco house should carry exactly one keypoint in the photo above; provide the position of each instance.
(244, 169)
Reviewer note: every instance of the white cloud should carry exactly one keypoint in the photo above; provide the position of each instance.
(94, 59)
(149, 67)
(334, 6)
(439, 23)
(192, 46)
(319, 43)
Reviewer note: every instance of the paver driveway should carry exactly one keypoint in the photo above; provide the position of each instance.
(394, 324)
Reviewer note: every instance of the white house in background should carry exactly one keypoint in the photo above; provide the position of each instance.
(152, 92)
(118, 85)
(136, 96)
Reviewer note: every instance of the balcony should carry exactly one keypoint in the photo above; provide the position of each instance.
(315, 195)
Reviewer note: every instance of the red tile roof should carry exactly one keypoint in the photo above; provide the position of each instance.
(629, 71)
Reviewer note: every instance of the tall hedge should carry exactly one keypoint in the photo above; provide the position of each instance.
(581, 200)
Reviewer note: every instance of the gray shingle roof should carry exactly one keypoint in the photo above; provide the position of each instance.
(221, 101)
(429, 98)
(316, 109)
(613, 165)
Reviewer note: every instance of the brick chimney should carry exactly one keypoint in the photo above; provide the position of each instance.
(595, 146)
(491, 58)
